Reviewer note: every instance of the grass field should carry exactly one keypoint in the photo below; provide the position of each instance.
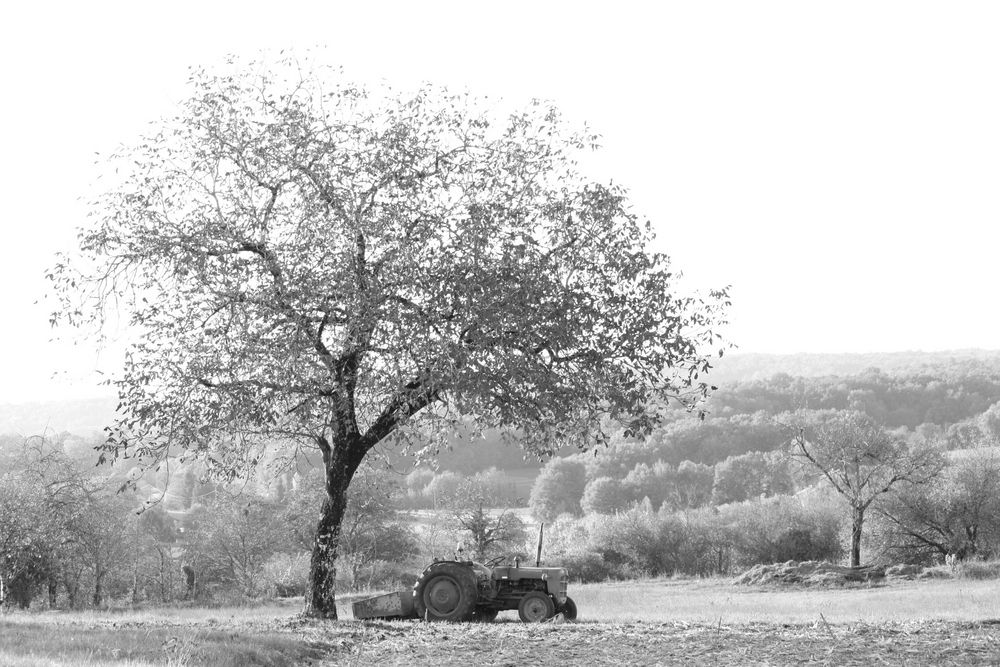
(706, 601)
(677, 621)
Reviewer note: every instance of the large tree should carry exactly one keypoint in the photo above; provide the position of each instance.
(863, 462)
(299, 258)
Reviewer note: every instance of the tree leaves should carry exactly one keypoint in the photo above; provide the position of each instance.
(300, 257)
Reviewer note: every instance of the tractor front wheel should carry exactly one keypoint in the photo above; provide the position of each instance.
(446, 592)
(536, 607)
(569, 609)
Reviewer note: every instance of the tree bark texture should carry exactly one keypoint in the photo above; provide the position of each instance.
(857, 525)
(341, 460)
(99, 572)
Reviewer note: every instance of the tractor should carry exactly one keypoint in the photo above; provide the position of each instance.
(463, 590)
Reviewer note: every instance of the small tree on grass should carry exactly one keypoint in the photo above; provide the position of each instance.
(863, 463)
(99, 532)
(485, 520)
(232, 540)
(28, 539)
(306, 261)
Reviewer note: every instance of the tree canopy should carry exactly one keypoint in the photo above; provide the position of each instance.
(300, 258)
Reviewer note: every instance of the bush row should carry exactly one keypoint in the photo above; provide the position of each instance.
(641, 542)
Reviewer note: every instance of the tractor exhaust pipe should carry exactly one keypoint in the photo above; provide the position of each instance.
(538, 552)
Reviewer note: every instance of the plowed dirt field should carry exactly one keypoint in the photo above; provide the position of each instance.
(590, 644)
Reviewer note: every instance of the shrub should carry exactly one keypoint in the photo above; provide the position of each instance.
(558, 489)
(692, 485)
(628, 540)
(444, 485)
(419, 478)
(655, 482)
(700, 542)
(605, 495)
(978, 570)
(392, 576)
(585, 566)
(566, 534)
(782, 528)
(287, 574)
(751, 475)
(704, 543)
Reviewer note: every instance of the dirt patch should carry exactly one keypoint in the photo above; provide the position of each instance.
(809, 573)
(512, 644)
(299, 641)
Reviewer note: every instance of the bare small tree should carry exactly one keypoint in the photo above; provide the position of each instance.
(863, 463)
(483, 516)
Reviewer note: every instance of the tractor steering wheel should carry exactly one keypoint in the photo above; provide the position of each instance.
(494, 561)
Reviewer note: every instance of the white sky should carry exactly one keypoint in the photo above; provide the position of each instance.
(837, 163)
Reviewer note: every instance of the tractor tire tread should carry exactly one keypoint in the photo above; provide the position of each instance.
(464, 580)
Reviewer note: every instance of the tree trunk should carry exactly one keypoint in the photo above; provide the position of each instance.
(135, 579)
(99, 587)
(321, 598)
(341, 461)
(857, 523)
(190, 584)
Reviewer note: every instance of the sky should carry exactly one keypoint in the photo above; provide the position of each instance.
(837, 164)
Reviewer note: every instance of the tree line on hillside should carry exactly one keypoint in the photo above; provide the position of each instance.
(941, 396)
(840, 478)
(746, 366)
(936, 403)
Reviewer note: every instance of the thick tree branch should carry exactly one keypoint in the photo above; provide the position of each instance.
(413, 398)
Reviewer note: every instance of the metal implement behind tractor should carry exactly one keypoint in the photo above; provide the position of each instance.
(463, 590)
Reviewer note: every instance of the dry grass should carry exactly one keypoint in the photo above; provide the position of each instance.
(171, 637)
(705, 601)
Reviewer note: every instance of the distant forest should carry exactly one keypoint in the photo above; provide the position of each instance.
(740, 367)
(918, 391)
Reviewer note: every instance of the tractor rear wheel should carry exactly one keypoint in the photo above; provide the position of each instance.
(536, 607)
(446, 591)
(569, 609)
